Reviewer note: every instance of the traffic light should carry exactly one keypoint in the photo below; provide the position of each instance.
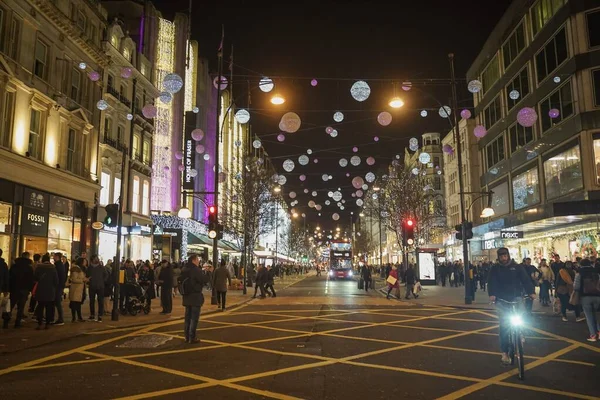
(112, 215)
(408, 229)
(468, 230)
(458, 229)
(213, 224)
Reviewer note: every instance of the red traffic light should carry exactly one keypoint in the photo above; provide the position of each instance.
(410, 222)
(212, 209)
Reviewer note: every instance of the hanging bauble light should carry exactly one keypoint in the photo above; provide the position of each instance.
(424, 158)
(514, 94)
(102, 105)
(355, 160)
(444, 111)
(423, 113)
(197, 134)
(149, 111)
(288, 165)
(165, 97)
(126, 72)
(474, 86)
(338, 116)
(357, 182)
(94, 76)
(479, 131)
(527, 117)
(172, 83)
(343, 162)
(465, 114)
(257, 144)
(199, 149)
(220, 82)
(360, 91)
(242, 116)
(281, 137)
(266, 84)
(370, 161)
(370, 177)
(384, 118)
(290, 122)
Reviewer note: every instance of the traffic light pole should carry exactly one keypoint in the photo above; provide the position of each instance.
(115, 269)
(463, 217)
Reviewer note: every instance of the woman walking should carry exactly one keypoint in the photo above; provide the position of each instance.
(76, 284)
(393, 286)
(564, 288)
(547, 276)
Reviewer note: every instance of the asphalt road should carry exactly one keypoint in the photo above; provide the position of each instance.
(316, 340)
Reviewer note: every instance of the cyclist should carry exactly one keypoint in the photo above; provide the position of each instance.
(508, 281)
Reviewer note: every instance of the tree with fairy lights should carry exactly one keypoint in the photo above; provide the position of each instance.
(251, 191)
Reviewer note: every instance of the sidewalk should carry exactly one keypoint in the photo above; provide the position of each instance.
(455, 297)
(12, 340)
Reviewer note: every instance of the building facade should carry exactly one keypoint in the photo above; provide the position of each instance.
(544, 172)
(126, 142)
(49, 53)
(474, 203)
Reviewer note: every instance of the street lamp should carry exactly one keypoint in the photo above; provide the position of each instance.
(277, 99)
(396, 102)
(184, 213)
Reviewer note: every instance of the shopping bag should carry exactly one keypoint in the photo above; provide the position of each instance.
(418, 287)
(391, 280)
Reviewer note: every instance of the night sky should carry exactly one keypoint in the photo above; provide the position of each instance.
(339, 43)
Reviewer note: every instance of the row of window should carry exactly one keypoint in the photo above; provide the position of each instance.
(560, 99)
(547, 61)
(562, 174)
(140, 192)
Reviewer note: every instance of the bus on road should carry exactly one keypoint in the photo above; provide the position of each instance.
(340, 260)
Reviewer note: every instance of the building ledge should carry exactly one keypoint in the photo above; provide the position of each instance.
(25, 171)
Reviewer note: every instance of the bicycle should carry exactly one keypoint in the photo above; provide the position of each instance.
(515, 335)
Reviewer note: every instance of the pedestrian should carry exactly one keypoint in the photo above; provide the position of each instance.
(587, 284)
(97, 276)
(410, 280)
(365, 274)
(193, 279)
(534, 274)
(37, 258)
(395, 286)
(21, 283)
(165, 280)
(546, 279)
(261, 279)
(5, 292)
(221, 281)
(62, 281)
(45, 290)
(270, 281)
(564, 289)
(176, 274)
(109, 285)
(76, 284)
(146, 280)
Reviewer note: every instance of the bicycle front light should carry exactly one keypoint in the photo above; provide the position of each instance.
(516, 320)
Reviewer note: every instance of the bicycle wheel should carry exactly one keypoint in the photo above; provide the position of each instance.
(520, 357)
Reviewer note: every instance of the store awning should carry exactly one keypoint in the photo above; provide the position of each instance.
(228, 246)
(199, 239)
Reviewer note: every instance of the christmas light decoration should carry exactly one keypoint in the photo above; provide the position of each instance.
(526, 117)
(343, 162)
(197, 134)
(172, 83)
(102, 105)
(288, 165)
(444, 111)
(126, 72)
(165, 97)
(266, 84)
(242, 116)
(338, 116)
(384, 118)
(474, 86)
(355, 160)
(360, 91)
(423, 113)
(94, 76)
(303, 159)
(465, 114)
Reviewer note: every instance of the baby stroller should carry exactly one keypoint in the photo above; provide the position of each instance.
(135, 299)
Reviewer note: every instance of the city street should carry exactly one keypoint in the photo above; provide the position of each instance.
(318, 339)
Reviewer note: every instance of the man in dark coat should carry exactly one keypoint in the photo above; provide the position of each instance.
(62, 280)
(193, 279)
(410, 279)
(21, 283)
(366, 276)
(4, 289)
(507, 281)
(261, 280)
(45, 293)
(270, 281)
(97, 276)
(221, 281)
(165, 280)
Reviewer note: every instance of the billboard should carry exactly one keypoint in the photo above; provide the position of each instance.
(426, 267)
(189, 152)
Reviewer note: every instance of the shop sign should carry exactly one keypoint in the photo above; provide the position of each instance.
(140, 230)
(34, 222)
(189, 158)
(113, 229)
(489, 244)
(511, 234)
(97, 225)
(36, 199)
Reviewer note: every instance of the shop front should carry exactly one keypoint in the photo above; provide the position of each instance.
(39, 222)
(107, 242)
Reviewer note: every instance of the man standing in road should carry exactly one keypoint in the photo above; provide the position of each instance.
(508, 281)
(97, 275)
(192, 281)
(221, 281)
(165, 280)
(62, 280)
(270, 281)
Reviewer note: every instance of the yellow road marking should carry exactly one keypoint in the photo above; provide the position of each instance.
(499, 378)
(555, 336)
